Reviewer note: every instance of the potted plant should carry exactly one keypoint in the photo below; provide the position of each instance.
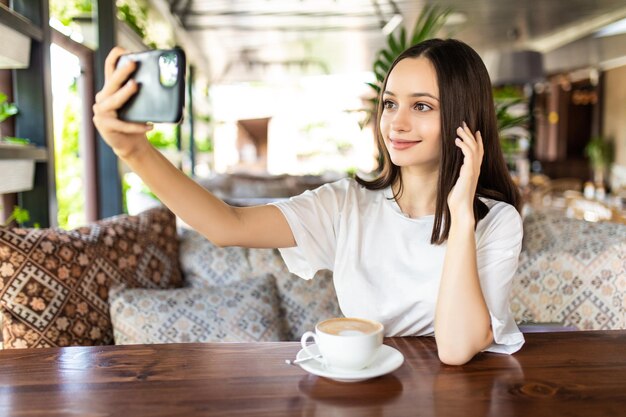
(19, 216)
(6, 110)
(512, 118)
(18, 174)
(600, 154)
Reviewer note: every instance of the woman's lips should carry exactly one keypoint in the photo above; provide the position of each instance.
(403, 144)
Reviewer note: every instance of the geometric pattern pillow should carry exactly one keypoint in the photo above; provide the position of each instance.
(54, 283)
(245, 311)
(571, 272)
(303, 303)
(205, 265)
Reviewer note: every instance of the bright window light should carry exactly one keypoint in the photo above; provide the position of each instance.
(615, 28)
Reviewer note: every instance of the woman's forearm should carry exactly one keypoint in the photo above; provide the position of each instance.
(219, 222)
(261, 226)
(462, 322)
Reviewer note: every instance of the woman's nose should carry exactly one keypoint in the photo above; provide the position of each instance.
(400, 121)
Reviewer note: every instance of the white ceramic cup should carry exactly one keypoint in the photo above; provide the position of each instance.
(348, 344)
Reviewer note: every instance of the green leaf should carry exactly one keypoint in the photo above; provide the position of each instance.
(389, 57)
(6, 109)
(381, 66)
(20, 215)
(15, 141)
(375, 87)
(403, 39)
(394, 48)
(430, 21)
(599, 152)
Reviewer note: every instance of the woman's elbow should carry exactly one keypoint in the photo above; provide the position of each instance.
(455, 357)
(453, 352)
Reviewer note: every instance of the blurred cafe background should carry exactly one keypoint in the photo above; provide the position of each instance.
(280, 97)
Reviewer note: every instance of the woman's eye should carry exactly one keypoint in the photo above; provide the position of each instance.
(422, 107)
(388, 104)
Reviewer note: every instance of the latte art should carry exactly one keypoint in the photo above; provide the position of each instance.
(351, 333)
(349, 327)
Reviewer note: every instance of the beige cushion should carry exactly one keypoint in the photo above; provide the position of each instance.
(244, 311)
(571, 272)
(303, 303)
(206, 265)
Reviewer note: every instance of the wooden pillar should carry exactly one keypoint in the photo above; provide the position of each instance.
(109, 181)
(32, 90)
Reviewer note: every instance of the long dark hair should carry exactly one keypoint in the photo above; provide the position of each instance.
(465, 95)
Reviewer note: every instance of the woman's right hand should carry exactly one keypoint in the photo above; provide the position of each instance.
(125, 138)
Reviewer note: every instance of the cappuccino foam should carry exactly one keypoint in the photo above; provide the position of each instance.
(349, 327)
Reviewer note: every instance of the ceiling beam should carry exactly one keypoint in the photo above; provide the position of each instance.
(192, 49)
(249, 28)
(246, 13)
(574, 31)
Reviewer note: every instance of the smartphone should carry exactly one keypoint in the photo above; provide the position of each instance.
(160, 75)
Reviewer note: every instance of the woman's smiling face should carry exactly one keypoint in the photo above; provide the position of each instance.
(411, 120)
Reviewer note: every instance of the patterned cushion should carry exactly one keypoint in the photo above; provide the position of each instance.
(54, 283)
(206, 265)
(245, 311)
(571, 272)
(304, 303)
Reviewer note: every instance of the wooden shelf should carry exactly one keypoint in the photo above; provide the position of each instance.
(19, 23)
(23, 152)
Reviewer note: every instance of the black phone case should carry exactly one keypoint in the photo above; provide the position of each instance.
(154, 102)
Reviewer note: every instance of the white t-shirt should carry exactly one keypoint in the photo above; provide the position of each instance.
(384, 266)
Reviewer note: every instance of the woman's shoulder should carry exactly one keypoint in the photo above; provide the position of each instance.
(347, 192)
(501, 215)
(497, 206)
(348, 185)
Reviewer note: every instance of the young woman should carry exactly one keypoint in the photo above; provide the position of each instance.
(428, 247)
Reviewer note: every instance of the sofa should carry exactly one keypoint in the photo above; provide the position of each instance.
(149, 279)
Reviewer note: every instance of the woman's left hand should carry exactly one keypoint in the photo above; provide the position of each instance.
(461, 197)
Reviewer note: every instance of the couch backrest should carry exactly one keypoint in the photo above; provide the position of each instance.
(571, 272)
(302, 303)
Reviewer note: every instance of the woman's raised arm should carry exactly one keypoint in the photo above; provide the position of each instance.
(224, 225)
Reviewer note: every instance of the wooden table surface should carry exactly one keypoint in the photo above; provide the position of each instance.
(555, 374)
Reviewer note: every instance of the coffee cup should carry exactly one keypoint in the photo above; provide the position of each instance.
(348, 343)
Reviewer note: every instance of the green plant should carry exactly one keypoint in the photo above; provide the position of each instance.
(204, 144)
(20, 216)
(68, 165)
(600, 152)
(429, 22)
(66, 10)
(9, 110)
(504, 117)
(6, 109)
(506, 99)
(135, 14)
(15, 141)
(163, 137)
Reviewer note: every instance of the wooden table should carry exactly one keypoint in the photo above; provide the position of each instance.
(555, 374)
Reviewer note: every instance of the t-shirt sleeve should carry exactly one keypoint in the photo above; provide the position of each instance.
(313, 219)
(497, 255)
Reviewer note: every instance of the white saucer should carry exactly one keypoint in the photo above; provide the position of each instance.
(387, 360)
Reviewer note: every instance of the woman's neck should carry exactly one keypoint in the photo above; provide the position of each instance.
(419, 193)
